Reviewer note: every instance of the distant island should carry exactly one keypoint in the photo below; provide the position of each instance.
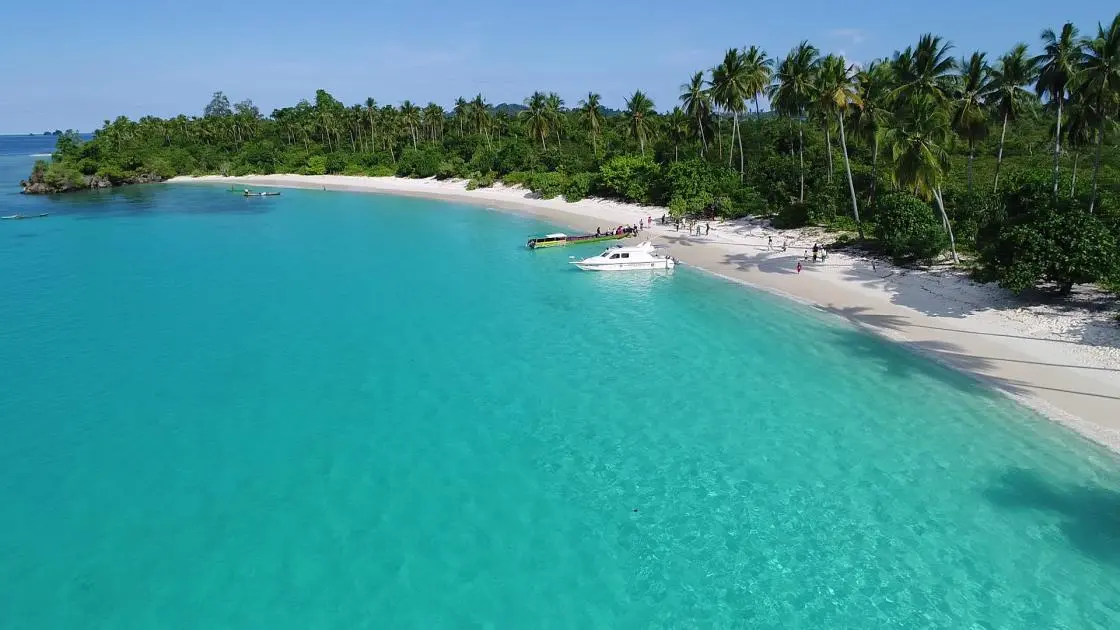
(1011, 159)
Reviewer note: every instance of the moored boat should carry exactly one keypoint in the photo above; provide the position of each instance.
(558, 239)
(618, 258)
(16, 217)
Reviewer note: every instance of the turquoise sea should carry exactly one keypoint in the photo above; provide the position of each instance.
(331, 410)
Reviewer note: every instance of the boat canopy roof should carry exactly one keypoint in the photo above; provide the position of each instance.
(555, 235)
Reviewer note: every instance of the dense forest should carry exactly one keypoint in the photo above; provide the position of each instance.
(1010, 160)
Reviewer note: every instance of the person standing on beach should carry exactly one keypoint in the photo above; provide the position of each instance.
(641, 224)
(707, 228)
(769, 243)
(815, 252)
(799, 266)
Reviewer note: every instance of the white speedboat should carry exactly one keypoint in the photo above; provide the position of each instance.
(642, 256)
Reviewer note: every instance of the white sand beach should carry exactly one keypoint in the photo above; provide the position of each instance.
(1061, 359)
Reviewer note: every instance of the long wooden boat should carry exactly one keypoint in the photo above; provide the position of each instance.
(557, 240)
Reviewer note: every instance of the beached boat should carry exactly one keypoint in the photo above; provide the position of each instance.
(558, 239)
(618, 258)
(16, 217)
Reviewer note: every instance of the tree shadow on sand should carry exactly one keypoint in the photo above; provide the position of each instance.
(746, 262)
(1090, 515)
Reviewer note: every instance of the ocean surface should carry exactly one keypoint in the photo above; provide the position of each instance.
(332, 410)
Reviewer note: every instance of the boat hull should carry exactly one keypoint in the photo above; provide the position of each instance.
(575, 240)
(665, 263)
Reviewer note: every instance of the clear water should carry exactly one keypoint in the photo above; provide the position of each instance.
(331, 410)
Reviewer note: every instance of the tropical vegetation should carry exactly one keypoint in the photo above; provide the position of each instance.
(1007, 160)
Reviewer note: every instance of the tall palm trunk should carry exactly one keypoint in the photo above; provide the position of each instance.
(731, 145)
(739, 132)
(874, 167)
(945, 223)
(971, 155)
(801, 156)
(1073, 183)
(999, 160)
(703, 138)
(848, 168)
(1096, 166)
(828, 141)
(719, 136)
(1057, 145)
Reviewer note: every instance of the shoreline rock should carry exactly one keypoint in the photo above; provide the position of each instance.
(38, 186)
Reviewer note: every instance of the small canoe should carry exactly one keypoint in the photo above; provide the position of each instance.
(557, 240)
(16, 217)
(261, 194)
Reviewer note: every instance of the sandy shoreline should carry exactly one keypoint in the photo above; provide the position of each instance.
(1063, 362)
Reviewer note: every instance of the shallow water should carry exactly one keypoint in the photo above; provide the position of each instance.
(343, 410)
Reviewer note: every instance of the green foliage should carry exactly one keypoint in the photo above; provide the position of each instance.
(908, 230)
(630, 177)
(113, 173)
(381, 170)
(62, 176)
(548, 185)
(424, 162)
(579, 186)
(316, 165)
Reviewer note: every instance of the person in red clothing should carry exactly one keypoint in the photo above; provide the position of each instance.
(799, 266)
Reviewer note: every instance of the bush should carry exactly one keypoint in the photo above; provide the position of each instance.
(112, 173)
(419, 163)
(1060, 243)
(316, 165)
(354, 170)
(579, 186)
(479, 180)
(793, 215)
(908, 230)
(381, 170)
(62, 176)
(517, 178)
(548, 185)
(630, 177)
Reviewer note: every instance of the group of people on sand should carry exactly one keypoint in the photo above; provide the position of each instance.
(819, 253)
(618, 231)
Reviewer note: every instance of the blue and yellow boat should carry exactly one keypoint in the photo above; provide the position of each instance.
(558, 239)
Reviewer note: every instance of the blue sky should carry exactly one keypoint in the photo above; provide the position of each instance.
(72, 64)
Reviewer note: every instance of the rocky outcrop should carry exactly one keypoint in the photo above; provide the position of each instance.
(38, 184)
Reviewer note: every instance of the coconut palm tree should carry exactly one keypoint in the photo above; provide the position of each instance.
(537, 116)
(970, 114)
(433, 117)
(555, 106)
(698, 105)
(1057, 64)
(730, 91)
(927, 69)
(1079, 131)
(410, 115)
(759, 68)
(917, 142)
(591, 117)
(1010, 77)
(1098, 86)
(371, 107)
(792, 90)
(479, 116)
(461, 112)
(639, 116)
(831, 73)
(837, 95)
(874, 89)
(676, 124)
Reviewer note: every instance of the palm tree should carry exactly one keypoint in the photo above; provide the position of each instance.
(917, 143)
(926, 70)
(460, 111)
(591, 115)
(698, 105)
(1098, 86)
(792, 91)
(677, 127)
(970, 114)
(371, 106)
(1014, 71)
(730, 92)
(1079, 134)
(869, 120)
(639, 113)
(837, 94)
(410, 114)
(830, 74)
(433, 116)
(759, 68)
(1057, 64)
(479, 114)
(555, 106)
(537, 116)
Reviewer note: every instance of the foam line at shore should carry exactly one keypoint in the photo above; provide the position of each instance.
(1062, 363)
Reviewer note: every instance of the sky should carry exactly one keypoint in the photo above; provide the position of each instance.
(68, 64)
